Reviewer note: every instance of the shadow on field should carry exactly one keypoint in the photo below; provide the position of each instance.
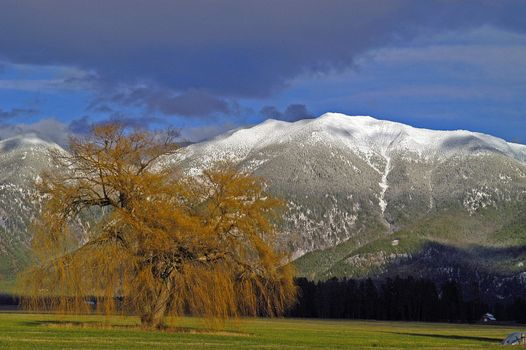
(76, 324)
(452, 337)
(103, 325)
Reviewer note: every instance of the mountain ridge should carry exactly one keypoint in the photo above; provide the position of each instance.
(340, 123)
(353, 182)
(365, 197)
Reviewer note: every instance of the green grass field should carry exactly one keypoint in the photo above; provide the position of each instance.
(40, 331)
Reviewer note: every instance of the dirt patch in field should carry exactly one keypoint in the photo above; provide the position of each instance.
(103, 325)
(78, 324)
(206, 332)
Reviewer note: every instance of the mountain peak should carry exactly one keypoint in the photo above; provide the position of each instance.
(367, 134)
(27, 140)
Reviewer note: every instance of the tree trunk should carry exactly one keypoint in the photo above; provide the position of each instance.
(155, 317)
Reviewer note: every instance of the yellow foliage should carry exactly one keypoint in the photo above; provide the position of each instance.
(164, 243)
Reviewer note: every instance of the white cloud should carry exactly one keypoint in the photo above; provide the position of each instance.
(200, 133)
(49, 129)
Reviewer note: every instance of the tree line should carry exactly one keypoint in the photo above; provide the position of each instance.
(397, 299)
(401, 299)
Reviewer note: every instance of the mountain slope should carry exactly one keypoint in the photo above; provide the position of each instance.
(22, 159)
(365, 197)
(353, 181)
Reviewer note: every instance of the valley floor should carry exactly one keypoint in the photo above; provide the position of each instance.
(41, 331)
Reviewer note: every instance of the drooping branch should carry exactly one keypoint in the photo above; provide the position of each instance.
(168, 244)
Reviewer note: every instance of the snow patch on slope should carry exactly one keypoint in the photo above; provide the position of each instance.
(384, 184)
(370, 134)
(363, 135)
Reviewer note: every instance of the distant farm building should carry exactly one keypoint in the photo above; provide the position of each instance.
(487, 317)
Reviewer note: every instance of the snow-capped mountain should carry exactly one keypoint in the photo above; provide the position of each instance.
(365, 196)
(361, 134)
(342, 165)
(353, 182)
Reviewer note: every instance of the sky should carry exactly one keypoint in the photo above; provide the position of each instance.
(206, 66)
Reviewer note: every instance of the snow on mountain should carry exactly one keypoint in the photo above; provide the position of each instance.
(349, 182)
(22, 159)
(345, 176)
(30, 140)
(361, 134)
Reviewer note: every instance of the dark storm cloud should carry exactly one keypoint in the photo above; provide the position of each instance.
(80, 125)
(292, 113)
(132, 122)
(271, 112)
(191, 103)
(237, 48)
(296, 112)
(15, 113)
(84, 124)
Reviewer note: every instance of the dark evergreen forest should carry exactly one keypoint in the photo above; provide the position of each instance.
(403, 299)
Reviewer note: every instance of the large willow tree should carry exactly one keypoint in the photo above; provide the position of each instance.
(162, 243)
